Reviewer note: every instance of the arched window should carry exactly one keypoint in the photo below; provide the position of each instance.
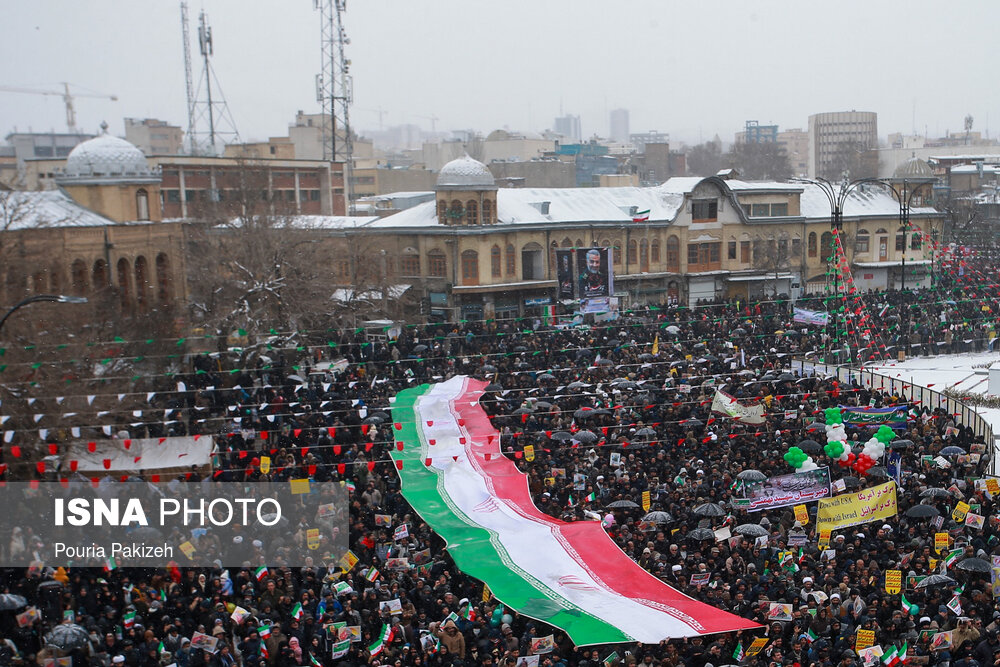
(437, 264)
(812, 244)
(566, 243)
(100, 274)
(495, 261)
(470, 267)
(633, 252)
(673, 254)
(862, 242)
(471, 212)
(579, 243)
(655, 251)
(164, 281)
(916, 240)
(55, 280)
(142, 204)
(409, 262)
(455, 213)
(141, 282)
(38, 282)
(79, 273)
(511, 260)
(901, 239)
(826, 246)
(487, 212)
(618, 252)
(124, 280)
(443, 211)
(644, 255)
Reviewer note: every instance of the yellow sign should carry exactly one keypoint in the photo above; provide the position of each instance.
(348, 561)
(529, 452)
(801, 514)
(487, 593)
(940, 542)
(265, 464)
(312, 538)
(187, 549)
(646, 503)
(993, 486)
(893, 581)
(758, 644)
(961, 509)
(864, 639)
(824, 538)
(299, 486)
(852, 509)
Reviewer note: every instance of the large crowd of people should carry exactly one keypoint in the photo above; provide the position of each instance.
(649, 378)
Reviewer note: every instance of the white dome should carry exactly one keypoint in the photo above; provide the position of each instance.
(107, 158)
(465, 174)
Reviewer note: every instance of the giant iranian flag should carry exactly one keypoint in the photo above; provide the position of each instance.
(570, 575)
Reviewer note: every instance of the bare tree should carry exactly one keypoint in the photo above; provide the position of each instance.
(705, 159)
(774, 256)
(854, 158)
(760, 161)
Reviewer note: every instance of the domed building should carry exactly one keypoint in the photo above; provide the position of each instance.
(917, 178)
(111, 176)
(466, 193)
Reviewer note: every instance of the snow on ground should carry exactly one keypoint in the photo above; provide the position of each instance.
(959, 372)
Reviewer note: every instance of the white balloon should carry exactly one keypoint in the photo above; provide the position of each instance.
(808, 464)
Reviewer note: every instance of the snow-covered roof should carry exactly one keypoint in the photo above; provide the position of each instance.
(974, 169)
(565, 205)
(872, 201)
(682, 184)
(48, 208)
(330, 221)
(740, 186)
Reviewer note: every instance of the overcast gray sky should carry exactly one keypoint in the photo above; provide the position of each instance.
(692, 69)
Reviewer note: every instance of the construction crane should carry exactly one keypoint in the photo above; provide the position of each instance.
(335, 90)
(67, 96)
(432, 119)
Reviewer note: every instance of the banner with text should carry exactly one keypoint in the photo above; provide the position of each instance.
(784, 490)
(852, 509)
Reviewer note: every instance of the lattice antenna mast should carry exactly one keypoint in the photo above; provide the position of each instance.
(188, 79)
(334, 90)
(209, 121)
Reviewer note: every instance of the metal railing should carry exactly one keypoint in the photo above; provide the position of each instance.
(965, 415)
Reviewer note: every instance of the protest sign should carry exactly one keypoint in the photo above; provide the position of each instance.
(893, 581)
(784, 490)
(864, 639)
(852, 509)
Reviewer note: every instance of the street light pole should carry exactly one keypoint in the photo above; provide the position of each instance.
(837, 196)
(53, 298)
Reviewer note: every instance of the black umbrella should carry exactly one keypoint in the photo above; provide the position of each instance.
(936, 580)
(543, 405)
(492, 387)
(935, 493)
(658, 517)
(922, 512)
(605, 362)
(810, 446)
(878, 472)
(645, 432)
(488, 368)
(851, 482)
(645, 356)
(786, 377)
(583, 414)
(699, 534)
(694, 423)
(979, 565)
(750, 530)
(560, 435)
(709, 509)
(67, 637)
(901, 444)
(751, 476)
(420, 348)
(586, 437)
(9, 601)
(952, 450)
(577, 385)
(521, 412)
(739, 331)
(546, 377)
(623, 504)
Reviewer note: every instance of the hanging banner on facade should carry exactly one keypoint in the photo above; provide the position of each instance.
(894, 416)
(791, 489)
(564, 274)
(816, 317)
(853, 509)
(595, 273)
(728, 405)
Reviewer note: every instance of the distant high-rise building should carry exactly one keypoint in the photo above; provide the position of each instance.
(569, 127)
(836, 136)
(619, 125)
(755, 133)
(640, 140)
(154, 137)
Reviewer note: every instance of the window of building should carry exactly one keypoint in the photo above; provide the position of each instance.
(618, 252)
(901, 239)
(124, 291)
(744, 252)
(442, 210)
(141, 282)
(826, 246)
(796, 247)
(164, 281)
(655, 251)
(704, 256)
(487, 212)
(760, 210)
(731, 250)
(812, 244)
(409, 264)
(511, 260)
(455, 212)
(633, 252)
(437, 265)
(495, 261)
(863, 241)
(673, 254)
(142, 204)
(704, 210)
(173, 196)
(644, 255)
(79, 277)
(915, 241)
(779, 209)
(343, 269)
(782, 250)
(471, 212)
(470, 267)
